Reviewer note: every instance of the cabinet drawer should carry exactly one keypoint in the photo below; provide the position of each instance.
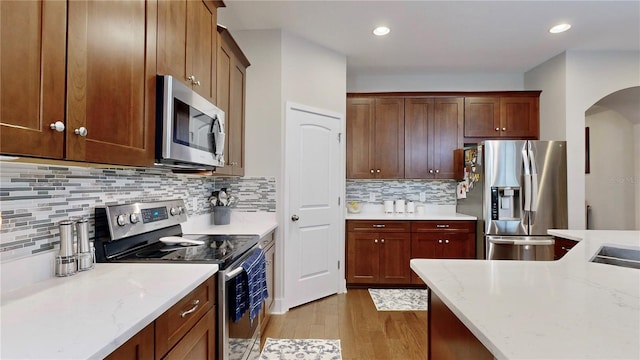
(378, 226)
(463, 226)
(179, 319)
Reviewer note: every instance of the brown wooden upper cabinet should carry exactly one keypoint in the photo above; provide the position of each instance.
(432, 127)
(375, 138)
(187, 43)
(231, 78)
(509, 116)
(110, 80)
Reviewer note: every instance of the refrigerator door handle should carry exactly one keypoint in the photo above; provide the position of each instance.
(500, 241)
(534, 182)
(527, 180)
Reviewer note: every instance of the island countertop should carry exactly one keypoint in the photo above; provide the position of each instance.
(92, 313)
(566, 309)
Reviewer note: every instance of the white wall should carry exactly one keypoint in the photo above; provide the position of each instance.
(636, 179)
(589, 76)
(550, 77)
(610, 189)
(284, 67)
(434, 82)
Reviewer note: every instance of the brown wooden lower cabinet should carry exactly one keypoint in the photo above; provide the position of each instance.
(562, 246)
(187, 330)
(449, 338)
(139, 347)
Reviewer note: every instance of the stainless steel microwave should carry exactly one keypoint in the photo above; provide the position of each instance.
(189, 129)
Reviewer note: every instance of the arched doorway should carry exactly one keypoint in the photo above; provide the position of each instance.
(612, 186)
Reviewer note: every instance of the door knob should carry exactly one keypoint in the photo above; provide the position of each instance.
(57, 126)
(295, 217)
(82, 131)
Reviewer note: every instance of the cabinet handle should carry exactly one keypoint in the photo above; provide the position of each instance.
(446, 241)
(82, 131)
(196, 303)
(382, 241)
(378, 225)
(504, 129)
(442, 225)
(378, 171)
(497, 129)
(375, 241)
(565, 249)
(57, 126)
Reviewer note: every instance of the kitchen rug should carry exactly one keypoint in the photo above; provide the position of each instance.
(400, 299)
(301, 349)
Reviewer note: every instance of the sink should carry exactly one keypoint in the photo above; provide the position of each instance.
(625, 257)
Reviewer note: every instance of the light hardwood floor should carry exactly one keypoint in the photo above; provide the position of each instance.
(364, 332)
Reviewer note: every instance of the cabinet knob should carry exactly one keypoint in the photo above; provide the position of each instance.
(191, 79)
(504, 129)
(439, 241)
(196, 83)
(372, 171)
(437, 171)
(378, 171)
(82, 131)
(375, 241)
(430, 171)
(57, 126)
(497, 129)
(446, 241)
(295, 217)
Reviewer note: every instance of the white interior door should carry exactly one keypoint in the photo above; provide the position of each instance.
(314, 171)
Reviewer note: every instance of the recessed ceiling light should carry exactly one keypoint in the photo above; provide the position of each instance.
(381, 30)
(560, 28)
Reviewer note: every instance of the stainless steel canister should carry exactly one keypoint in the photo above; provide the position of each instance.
(66, 261)
(84, 253)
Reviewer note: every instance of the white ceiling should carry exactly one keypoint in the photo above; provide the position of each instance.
(445, 36)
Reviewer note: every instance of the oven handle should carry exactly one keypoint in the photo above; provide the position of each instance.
(233, 273)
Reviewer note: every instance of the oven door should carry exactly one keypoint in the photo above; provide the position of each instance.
(190, 128)
(239, 340)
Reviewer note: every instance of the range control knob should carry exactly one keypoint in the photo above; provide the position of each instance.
(180, 210)
(173, 211)
(122, 219)
(134, 218)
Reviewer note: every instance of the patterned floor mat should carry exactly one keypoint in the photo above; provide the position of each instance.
(399, 299)
(301, 349)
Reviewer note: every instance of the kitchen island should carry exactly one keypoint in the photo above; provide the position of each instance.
(92, 313)
(566, 309)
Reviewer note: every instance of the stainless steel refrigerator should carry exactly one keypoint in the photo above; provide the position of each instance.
(518, 190)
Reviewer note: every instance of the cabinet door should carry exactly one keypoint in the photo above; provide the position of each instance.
(32, 79)
(360, 137)
(418, 130)
(139, 347)
(199, 342)
(201, 48)
(519, 117)
(395, 254)
(363, 251)
(423, 246)
(447, 120)
(172, 39)
(457, 246)
(388, 144)
(231, 94)
(482, 117)
(119, 127)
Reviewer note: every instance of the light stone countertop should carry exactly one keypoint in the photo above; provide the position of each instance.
(566, 309)
(432, 212)
(92, 313)
(242, 223)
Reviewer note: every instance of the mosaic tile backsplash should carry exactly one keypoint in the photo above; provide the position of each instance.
(33, 198)
(437, 192)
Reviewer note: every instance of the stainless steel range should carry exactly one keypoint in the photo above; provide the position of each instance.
(151, 232)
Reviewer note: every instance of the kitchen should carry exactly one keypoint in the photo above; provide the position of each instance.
(287, 58)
